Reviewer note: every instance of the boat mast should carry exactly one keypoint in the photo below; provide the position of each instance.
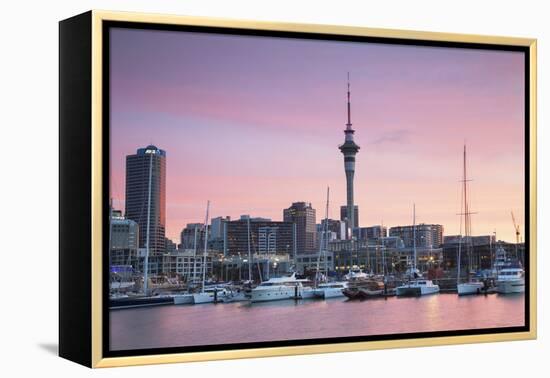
(111, 239)
(146, 265)
(267, 252)
(326, 233)
(249, 254)
(462, 208)
(205, 245)
(414, 238)
(195, 253)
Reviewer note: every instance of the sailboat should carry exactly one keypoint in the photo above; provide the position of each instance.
(418, 286)
(188, 297)
(212, 294)
(472, 286)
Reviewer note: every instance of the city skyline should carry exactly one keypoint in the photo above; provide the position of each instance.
(257, 134)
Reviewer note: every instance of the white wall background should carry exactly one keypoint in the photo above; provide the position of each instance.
(28, 211)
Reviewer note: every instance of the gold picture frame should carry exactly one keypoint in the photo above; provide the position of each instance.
(90, 328)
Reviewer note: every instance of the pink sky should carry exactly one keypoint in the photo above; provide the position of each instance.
(253, 124)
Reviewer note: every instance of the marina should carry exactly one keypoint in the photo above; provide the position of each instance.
(241, 322)
(255, 279)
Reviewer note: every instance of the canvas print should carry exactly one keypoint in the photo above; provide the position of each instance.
(279, 190)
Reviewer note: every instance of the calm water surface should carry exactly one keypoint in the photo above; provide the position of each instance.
(191, 325)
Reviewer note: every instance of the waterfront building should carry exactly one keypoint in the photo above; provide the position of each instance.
(185, 264)
(378, 258)
(349, 149)
(370, 233)
(303, 215)
(267, 239)
(324, 236)
(427, 235)
(307, 263)
(217, 229)
(155, 263)
(187, 236)
(124, 242)
(170, 246)
(146, 196)
(392, 242)
(266, 236)
(235, 267)
(481, 251)
(344, 215)
(336, 227)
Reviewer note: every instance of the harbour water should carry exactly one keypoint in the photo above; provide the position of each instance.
(241, 322)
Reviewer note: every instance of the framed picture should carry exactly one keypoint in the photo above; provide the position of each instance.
(234, 189)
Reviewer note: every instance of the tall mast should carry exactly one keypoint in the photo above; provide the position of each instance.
(146, 265)
(466, 213)
(249, 254)
(326, 232)
(195, 253)
(414, 237)
(205, 245)
(459, 257)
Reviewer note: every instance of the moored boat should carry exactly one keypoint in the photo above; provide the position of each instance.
(511, 280)
(331, 289)
(417, 288)
(277, 288)
(471, 287)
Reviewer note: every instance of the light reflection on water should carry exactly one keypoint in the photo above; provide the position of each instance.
(189, 325)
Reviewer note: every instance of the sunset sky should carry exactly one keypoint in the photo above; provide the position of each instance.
(253, 124)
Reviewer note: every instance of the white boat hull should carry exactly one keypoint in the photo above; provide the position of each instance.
(511, 286)
(416, 290)
(307, 293)
(470, 288)
(234, 297)
(274, 294)
(183, 299)
(329, 292)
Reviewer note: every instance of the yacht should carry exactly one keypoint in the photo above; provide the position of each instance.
(355, 273)
(211, 295)
(235, 294)
(364, 288)
(277, 288)
(470, 287)
(331, 289)
(183, 299)
(307, 292)
(511, 280)
(417, 288)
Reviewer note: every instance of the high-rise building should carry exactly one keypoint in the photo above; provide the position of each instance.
(146, 196)
(344, 215)
(124, 236)
(266, 236)
(187, 236)
(371, 233)
(427, 235)
(349, 149)
(338, 227)
(218, 226)
(303, 215)
(170, 246)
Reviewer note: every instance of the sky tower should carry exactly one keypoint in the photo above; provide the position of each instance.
(349, 149)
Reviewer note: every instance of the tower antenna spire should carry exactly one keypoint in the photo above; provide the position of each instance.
(348, 125)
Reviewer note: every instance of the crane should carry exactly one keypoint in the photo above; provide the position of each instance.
(516, 227)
